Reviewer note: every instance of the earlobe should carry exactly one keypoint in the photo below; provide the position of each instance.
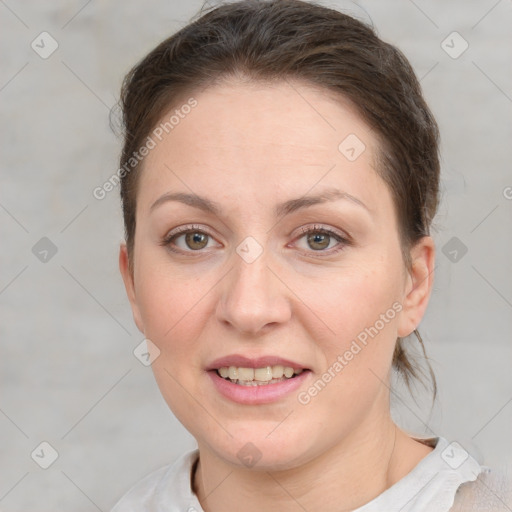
(419, 286)
(129, 284)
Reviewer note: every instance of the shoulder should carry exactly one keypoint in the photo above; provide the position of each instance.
(167, 485)
(490, 492)
(138, 497)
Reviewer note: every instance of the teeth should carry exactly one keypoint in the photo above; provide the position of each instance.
(288, 372)
(263, 374)
(254, 376)
(257, 382)
(277, 371)
(245, 373)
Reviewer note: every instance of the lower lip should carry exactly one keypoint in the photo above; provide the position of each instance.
(253, 395)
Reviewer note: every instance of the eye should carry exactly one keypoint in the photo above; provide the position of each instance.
(187, 239)
(324, 240)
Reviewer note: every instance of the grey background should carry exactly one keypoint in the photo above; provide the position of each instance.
(68, 374)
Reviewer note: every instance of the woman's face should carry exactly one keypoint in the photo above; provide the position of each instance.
(245, 279)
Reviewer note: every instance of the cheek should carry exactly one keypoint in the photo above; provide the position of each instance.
(172, 305)
(361, 309)
(350, 300)
(174, 310)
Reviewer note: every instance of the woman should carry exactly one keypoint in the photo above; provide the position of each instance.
(279, 176)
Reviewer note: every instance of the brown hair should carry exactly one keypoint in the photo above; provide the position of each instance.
(281, 39)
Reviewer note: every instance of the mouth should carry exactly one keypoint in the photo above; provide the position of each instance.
(257, 380)
(257, 383)
(263, 376)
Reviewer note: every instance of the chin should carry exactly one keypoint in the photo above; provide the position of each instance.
(258, 451)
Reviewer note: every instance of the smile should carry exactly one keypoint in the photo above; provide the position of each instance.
(258, 376)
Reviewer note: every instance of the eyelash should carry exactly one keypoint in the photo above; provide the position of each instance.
(343, 241)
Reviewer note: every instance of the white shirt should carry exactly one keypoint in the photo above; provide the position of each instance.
(429, 487)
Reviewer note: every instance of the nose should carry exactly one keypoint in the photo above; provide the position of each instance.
(253, 297)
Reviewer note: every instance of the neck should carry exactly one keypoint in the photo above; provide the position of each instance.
(336, 480)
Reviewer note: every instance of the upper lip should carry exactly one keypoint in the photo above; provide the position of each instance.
(253, 362)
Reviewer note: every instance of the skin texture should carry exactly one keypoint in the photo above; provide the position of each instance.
(248, 147)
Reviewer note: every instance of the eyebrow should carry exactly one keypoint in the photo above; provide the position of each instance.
(282, 209)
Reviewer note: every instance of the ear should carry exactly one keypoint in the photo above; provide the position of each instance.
(418, 286)
(129, 285)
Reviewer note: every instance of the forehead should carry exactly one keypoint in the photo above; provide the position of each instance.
(266, 139)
